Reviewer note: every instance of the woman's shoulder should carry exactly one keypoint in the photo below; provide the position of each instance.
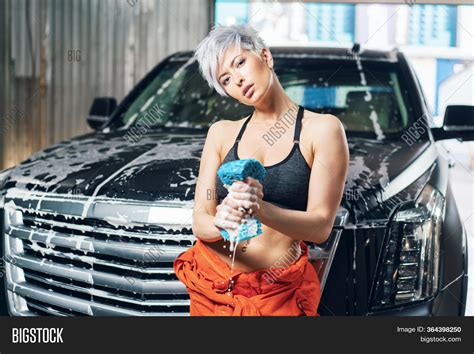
(225, 124)
(320, 118)
(224, 131)
(320, 126)
(322, 122)
(225, 128)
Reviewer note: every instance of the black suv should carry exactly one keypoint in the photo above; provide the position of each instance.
(91, 225)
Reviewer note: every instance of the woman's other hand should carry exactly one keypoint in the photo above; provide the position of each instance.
(247, 195)
(228, 215)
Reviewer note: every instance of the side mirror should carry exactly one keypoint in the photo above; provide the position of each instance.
(100, 111)
(458, 123)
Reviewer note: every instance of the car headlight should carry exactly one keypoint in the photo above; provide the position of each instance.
(409, 268)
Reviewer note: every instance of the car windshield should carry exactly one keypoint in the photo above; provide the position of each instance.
(369, 97)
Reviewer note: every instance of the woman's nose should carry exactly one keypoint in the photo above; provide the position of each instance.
(239, 79)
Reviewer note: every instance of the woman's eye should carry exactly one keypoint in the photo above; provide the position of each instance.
(242, 61)
(224, 82)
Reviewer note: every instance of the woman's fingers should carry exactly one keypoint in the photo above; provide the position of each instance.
(231, 206)
(227, 217)
(225, 224)
(238, 196)
(243, 199)
(239, 191)
(240, 186)
(227, 211)
(231, 202)
(251, 186)
(254, 183)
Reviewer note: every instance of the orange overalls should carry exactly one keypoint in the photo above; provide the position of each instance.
(290, 291)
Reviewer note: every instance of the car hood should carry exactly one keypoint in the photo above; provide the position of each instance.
(163, 166)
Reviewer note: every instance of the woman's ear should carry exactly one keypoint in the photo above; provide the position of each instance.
(267, 57)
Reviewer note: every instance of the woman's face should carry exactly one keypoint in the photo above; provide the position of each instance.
(244, 75)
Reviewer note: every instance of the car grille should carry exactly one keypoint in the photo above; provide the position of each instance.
(69, 265)
(65, 259)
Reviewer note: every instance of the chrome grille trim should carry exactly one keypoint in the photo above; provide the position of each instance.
(80, 305)
(109, 295)
(95, 261)
(89, 245)
(62, 264)
(100, 278)
(104, 231)
(47, 309)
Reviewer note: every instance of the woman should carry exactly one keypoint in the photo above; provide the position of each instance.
(302, 190)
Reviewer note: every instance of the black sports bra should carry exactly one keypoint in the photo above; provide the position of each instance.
(286, 182)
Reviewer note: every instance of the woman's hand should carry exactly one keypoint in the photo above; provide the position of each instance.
(247, 195)
(241, 195)
(228, 215)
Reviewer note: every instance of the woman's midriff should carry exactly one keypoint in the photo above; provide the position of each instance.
(270, 249)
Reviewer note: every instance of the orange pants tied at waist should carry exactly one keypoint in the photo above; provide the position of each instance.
(290, 291)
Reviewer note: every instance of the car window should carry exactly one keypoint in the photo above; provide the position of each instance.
(368, 97)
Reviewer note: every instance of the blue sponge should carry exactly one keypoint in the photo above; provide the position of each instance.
(239, 170)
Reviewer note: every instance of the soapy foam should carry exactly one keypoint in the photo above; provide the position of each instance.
(234, 242)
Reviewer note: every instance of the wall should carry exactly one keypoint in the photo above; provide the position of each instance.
(57, 55)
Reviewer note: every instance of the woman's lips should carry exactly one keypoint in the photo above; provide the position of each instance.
(249, 92)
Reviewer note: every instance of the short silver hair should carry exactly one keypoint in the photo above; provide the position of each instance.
(215, 44)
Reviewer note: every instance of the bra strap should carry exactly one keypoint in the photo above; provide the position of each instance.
(239, 136)
(299, 118)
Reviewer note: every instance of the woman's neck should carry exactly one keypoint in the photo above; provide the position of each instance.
(273, 106)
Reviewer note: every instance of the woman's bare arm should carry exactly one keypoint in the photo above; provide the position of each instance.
(205, 198)
(326, 187)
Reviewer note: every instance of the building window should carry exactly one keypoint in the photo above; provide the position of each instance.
(330, 22)
(433, 25)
